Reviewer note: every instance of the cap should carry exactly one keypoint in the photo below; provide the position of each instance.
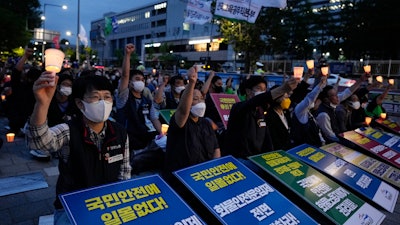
(259, 64)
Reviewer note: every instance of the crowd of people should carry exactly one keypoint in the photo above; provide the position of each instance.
(105, 127)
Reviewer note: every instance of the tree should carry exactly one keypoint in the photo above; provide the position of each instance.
(18, 19)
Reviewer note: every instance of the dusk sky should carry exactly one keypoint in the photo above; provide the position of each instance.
(62, 21)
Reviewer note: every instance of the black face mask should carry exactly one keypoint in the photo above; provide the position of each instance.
(218, 89)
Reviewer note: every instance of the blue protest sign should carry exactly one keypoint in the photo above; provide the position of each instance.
(387, 139)
(360, 181)
(147, 200)
(234, 193)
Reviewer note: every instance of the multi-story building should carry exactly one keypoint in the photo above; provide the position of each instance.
(152, 26)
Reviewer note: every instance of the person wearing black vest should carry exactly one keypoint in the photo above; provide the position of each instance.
(326, 115)
(98, 149)
(138, 115)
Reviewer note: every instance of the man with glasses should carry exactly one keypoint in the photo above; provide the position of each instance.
(98, 149)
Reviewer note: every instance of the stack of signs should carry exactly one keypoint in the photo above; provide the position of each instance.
(380, 169)
(234, 193)
(388, 124)
(357, 179)
(385, 138)
(374, 147)
(147, 200)
(328, 197)
(223, 103)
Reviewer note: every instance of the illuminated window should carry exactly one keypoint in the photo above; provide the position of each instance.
(147, 14)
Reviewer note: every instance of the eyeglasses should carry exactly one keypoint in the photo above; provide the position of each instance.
(97, 98)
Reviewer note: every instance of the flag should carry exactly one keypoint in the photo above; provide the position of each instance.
(82, 36)
(56, 41)
(246, 10)
(198, 12)
(114, 24)
(272, 3)
(107, 26)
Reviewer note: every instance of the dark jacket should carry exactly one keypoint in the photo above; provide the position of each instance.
(87, 166)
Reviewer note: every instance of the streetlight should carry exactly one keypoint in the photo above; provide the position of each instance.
(64, 7)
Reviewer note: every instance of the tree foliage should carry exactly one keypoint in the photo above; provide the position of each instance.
(18, 19)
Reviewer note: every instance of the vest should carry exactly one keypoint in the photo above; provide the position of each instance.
(311, 129)
(332, 114)
(87, 165)
(132, 118)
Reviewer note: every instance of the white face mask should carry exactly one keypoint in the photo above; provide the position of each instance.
(332, 105)
(113, 77)
(97, 73)
(355, 105)
(364, 105)
(179, 89)
(199, 109)
(97, 111)
(138, 86)
(66, 91)
(258, 92)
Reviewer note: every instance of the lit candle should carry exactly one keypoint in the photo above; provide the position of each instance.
(164, 129)
(324, 70)
(383, 115)
(379, 79)
(298, 72)
(391, 81)
(3, 97)
(310, 64)
(10, 137)
(368, 120)
(367, 68)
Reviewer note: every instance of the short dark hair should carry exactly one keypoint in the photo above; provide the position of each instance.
(88, 83)
(175, 78)
(215, 78)
(324, 93)
(135, 72)
(254, 81)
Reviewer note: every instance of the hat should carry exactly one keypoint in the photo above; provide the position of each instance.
(259, 64)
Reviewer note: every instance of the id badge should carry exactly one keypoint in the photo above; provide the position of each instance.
(115, 158)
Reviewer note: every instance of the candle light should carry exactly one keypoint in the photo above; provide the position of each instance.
(383, 115)
(368, 120)
(3, 97)
(54, 59)
(379, 79)
(367, 68)
(164, 129)
(10, 137)
(391, 81)
(324, 70)
(310, 64)
(298, 72)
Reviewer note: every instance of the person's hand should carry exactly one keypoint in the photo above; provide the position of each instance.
(44, 87)
(290, 84)
(322, 81)
(229, 82)
(28, 52)
(129, 49)
(192, 74)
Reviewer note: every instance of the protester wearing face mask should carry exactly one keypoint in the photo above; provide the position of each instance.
(326, 116)
(248, 132)
(62, 108)
(191, 139)
(350, 114)
(169, 99)
(135, 111)
(279, 122)
(90, 137)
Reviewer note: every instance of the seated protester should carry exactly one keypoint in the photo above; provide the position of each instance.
(90, 136)
(248, 133)
(137, 114)
(62, 108)
(279, 121)
(191, 139)
(304, 127)
(326, 116)
(169, 99)
(345, 114)
(374, 107)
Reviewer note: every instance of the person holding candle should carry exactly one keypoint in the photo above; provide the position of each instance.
(374, 107)
(98, 150)
(326, 117)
